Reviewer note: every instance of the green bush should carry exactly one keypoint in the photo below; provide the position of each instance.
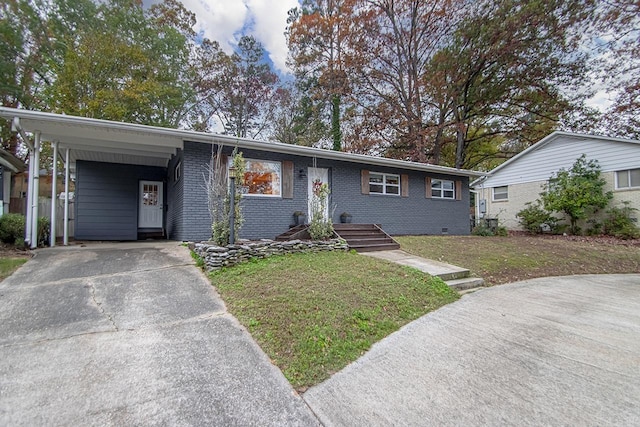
(44, 231)
(619, 224)
(482, 230)
(501, 231)
(12, 228)
(534, 217)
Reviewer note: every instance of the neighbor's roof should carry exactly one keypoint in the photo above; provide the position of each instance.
(11, 162)
(104, 140)
(545, 141)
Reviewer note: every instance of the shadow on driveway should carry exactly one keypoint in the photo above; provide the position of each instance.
(130, 334)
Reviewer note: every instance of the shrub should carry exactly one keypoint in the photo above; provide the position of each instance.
(12, 228)
(482, 230)
(619, 224)
(44, 231)
(534, 217)
(501, 231)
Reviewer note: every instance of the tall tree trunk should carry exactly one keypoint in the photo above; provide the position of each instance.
(336, 134)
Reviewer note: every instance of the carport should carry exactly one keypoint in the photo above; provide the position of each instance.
(77, 139)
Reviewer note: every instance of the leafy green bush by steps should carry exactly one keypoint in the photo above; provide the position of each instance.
(534, 217)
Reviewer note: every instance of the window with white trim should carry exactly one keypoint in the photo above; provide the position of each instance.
(628, 179)
(443, 189)
(500, 193)
(262, 178)
(384, 183)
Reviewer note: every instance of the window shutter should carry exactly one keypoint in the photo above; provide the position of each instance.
(364, 181)
(427, 184)
(404, 185)
(287, 179)
(458, 190)
(222, 163)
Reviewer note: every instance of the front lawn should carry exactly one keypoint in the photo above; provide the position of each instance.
(519, 257)
(315, 313)
(9, 265)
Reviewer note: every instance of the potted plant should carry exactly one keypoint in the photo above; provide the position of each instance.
(345, 217)
(299, 217)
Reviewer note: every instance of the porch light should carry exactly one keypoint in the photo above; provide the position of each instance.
(302, 174)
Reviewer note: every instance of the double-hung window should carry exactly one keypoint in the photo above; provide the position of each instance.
(384, 183)
(628, 179)
(500, 193)
(443, 189)
(262, 178)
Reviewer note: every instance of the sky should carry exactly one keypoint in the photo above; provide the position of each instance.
(227, 20)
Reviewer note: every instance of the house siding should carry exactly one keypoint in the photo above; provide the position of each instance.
(175, 198)
(538, 164)
(107, 199)
(266, 217)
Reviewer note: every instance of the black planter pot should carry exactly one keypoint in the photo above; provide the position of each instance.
(345, 219)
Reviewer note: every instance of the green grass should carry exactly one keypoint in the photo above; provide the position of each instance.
(519, 257)
(315, 313)
(9, 265)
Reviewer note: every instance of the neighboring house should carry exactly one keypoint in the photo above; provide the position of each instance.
(9, 165)
(519, 180)
(133, 179)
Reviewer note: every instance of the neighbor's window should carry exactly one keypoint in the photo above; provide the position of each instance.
(262, 178)
(500, 193)
(443, 189)
(628, 179)
(384, 183)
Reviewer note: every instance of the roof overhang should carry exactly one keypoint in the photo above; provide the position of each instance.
(117, 142)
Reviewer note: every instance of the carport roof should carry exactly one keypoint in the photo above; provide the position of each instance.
(117, 142)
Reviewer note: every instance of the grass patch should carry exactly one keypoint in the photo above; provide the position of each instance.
(315, 313)
(519, 257)
(9, 265)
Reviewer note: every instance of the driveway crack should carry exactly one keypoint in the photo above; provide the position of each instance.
(92, 291)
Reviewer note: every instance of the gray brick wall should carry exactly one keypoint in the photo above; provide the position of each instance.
(268, 217)
(175, 200)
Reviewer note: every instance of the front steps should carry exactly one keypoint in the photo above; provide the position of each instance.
(365, 237)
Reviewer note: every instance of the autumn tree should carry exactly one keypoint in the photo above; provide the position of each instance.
(318, 35)
(237, 89)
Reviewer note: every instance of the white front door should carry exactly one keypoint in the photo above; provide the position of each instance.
(322, 175)
(150, 204)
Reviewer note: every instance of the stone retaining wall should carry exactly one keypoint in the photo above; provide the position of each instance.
(215, 257)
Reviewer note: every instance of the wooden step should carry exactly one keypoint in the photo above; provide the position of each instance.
(365, 237)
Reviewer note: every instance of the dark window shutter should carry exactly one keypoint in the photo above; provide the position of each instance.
(222, 163)
(458, 190)
(404, 185)
(427, 184)
(364, 181)
(287, 179)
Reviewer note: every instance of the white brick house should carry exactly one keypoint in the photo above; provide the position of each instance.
(519, 180)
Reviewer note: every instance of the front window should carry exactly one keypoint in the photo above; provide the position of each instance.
(262, 178)
(500, 193)
(384, 183)
(442, 189)
(628, 179)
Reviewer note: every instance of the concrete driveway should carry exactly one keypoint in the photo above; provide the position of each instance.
(552, 351)
(130, 334)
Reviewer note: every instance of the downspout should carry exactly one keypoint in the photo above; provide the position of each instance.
(17, 127)
(476, 206)
(54, 204)
(65, 239)
(36, 190)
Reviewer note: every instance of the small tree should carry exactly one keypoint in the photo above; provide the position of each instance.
(320, 226)
(219, 197)
(576, 192)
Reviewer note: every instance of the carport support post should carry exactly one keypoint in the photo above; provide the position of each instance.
(232, 205)
(65, 238)
(27, 227)
(36, 190)
(54, 204)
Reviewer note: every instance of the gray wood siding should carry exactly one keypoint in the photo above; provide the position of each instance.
(107, 199)
(562, 152)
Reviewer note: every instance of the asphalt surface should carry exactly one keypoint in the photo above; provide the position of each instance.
(130, 334)
(551, 351)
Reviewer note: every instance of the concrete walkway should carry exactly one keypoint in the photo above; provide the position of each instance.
(550, 351)
(130, 334)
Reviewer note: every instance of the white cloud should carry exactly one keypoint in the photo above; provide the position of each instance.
(227, 20)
